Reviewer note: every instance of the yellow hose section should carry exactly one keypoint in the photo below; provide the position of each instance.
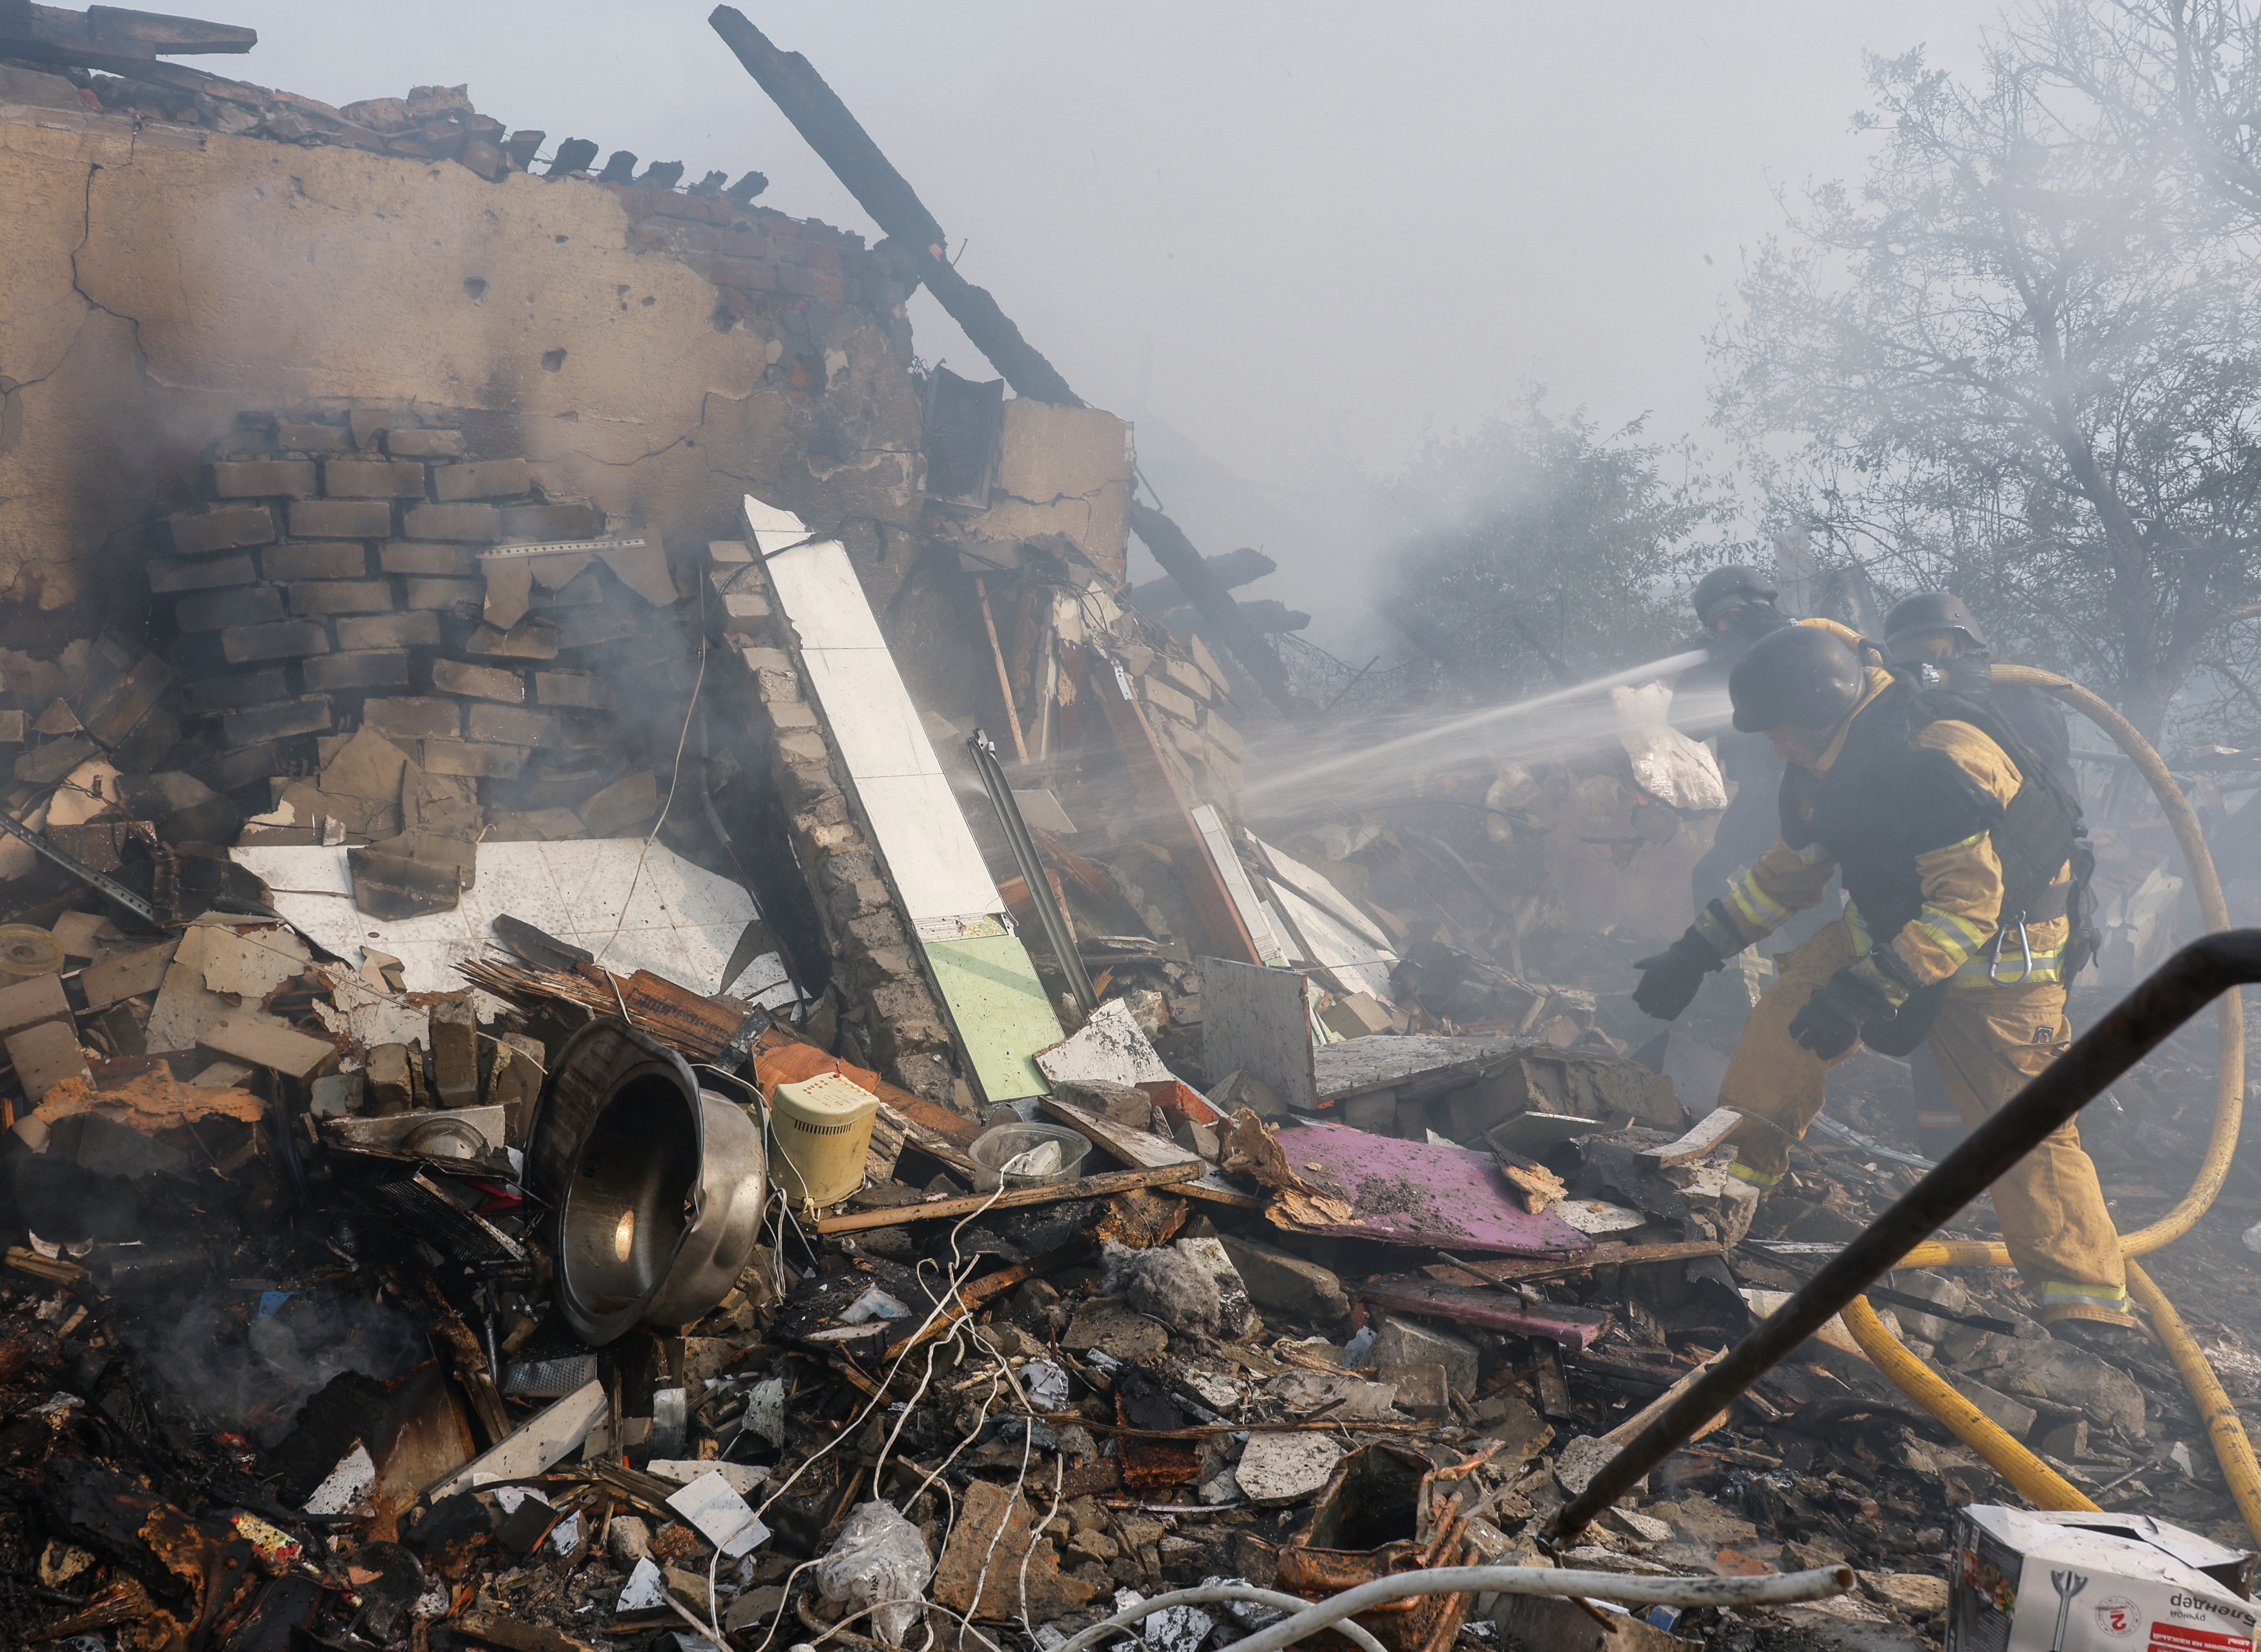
(2035, 1481)
(2231, 1449)
(2230, 1088)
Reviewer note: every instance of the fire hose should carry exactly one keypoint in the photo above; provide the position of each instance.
(2035, 1480)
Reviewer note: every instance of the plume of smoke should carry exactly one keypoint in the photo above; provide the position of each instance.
(253, 1376)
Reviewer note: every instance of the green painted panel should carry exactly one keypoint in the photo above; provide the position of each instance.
(999, 1008)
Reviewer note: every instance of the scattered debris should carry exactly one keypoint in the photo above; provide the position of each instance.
(537, 1116)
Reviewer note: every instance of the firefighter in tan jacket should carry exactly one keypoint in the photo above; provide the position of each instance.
(1955, 860)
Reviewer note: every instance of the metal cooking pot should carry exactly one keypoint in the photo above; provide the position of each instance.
(658, 1185)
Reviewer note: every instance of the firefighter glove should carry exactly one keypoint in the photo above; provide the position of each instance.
(1829, 1023)
(1669, 980)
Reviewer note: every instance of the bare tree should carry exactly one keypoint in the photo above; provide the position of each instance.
(2180, 76)
(2013, 362)
(1537, 550)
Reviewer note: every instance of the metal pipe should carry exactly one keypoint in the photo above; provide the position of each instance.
(2178, 990)
(1050, 918)
(1781, 1589)
(1206, 1595)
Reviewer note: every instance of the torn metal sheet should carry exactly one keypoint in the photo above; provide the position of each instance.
(997, 1004)
(1421, 1064)
(394, 1134)
(1109, 1046)
(537, 1445)
(1217, 842)
(635, 906)
(1411, 1193)
(1340, 939)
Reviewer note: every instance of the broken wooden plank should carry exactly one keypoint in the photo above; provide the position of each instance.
(1571, 1326)
(967, 1303)
(1218, 843)
(477, 1623)
(831, 129)
(1149, 1150)
(464, 1352)
(1502, 1271)
(1641, 1419)
(1167, 816)
(1363, 1186)
(1088, 1187)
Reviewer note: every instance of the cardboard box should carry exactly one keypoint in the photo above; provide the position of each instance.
(2093, 1583)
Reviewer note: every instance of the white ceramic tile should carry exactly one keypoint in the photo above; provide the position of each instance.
(683, 922)
(869, 712)
(817, 588)
(923, 836)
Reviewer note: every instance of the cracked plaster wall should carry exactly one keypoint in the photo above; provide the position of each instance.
(157, 281)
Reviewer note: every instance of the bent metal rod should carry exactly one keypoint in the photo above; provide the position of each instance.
(2178, 990)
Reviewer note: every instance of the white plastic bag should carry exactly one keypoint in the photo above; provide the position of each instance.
(880, 1560)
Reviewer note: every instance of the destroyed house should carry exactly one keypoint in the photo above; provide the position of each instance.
(646, 1005)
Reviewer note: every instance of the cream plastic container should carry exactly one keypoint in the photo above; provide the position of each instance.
(820, 1131)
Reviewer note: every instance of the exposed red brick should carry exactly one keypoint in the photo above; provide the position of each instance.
(813, 283)
(736, 272)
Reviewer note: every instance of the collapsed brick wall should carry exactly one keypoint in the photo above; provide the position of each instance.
(330, 591)
(663, 352)
(333, 580)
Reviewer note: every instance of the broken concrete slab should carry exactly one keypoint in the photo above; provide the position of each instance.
(1116, 1330)
(992, 1549)
(1108, 1046)
(266, 1043)
(646, 909)
(2062, 1375)
(185, 1009)
(78, 934)
(249, 963)
(29, 1003)
(44, 1056)
(1295, 1285)
(1401, 1341)
(1281, 1468)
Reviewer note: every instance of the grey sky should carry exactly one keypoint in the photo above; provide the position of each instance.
(1287, 230)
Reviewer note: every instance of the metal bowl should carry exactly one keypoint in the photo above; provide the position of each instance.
(658, 1185)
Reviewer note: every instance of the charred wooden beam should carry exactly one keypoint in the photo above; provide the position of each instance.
(1214, 602)
(111, 36)
(1233, 569)
(817, 114)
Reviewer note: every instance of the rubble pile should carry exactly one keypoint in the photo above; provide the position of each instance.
(855, 1077)
(290, 1343)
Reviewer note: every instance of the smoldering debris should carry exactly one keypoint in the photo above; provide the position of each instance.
(245, 1360)
(548, 1106)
